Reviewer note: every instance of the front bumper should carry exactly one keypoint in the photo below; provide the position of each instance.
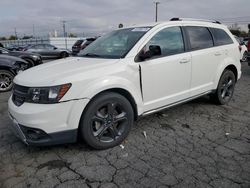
(37, 137)
(46, 124)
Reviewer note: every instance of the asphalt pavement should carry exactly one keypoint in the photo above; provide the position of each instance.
(197, 144)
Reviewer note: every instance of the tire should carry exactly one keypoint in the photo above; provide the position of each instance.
(6, 80)
(107, 120)
(30, 63)
(225, 89)
(64, 55)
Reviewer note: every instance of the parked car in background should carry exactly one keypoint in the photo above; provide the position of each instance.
(9, 67)
(247, 42)
(11, 47)
(242, 48)
(125, 74)
(81, 44)
(48, 51)
(32, 58)
(246, 39)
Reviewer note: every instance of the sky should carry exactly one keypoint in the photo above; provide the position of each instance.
(92, 17)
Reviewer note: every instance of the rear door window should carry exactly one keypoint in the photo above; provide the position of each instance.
(200, 37)
(221, 37)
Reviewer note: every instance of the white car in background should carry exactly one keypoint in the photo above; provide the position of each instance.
(243, 49)
(125, 74)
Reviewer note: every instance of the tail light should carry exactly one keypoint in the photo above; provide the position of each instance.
(248, 45)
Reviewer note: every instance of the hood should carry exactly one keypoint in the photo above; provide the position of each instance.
(61, 71)
(10, 60)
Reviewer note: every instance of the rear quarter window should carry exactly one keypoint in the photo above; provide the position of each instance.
(221, 37)
(199, 37)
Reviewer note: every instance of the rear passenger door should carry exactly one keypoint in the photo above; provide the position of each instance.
(205, 58)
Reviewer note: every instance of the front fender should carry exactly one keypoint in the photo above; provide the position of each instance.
(113, 82)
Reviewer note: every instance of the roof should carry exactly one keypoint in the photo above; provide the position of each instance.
(211, 23)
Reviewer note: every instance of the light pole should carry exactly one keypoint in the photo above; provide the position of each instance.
(33, 28)
(15, 33)
(64, 33)
(156, 10)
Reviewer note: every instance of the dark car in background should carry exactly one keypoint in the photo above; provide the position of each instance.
(32, 58)
(81, 44)
(48, 51)
(247, 43)
(9, 67)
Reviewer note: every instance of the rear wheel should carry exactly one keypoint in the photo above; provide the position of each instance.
(6, 80)
(64, 55)
(225, 89)
(107, 121)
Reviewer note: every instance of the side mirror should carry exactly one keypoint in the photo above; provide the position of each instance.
(55, 48)
(154, 50)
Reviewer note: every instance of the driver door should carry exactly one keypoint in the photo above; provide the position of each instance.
(166, 77)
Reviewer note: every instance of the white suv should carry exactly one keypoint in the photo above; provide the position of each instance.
(127, 73)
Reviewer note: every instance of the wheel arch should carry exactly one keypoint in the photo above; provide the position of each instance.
(234, 70)
(123, 92)
(8, 69)
(29, 59)
(221, 69)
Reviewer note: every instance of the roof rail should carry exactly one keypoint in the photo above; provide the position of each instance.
(194, 19)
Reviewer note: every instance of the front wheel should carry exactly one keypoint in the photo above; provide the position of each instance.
(106, 121)
(6, 80)
(225, 89)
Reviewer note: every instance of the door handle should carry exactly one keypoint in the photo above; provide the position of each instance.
(184, 60)
(217, 53)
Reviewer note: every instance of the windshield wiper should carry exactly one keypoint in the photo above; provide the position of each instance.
(91, 55)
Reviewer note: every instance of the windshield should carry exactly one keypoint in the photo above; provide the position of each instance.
(115, 44)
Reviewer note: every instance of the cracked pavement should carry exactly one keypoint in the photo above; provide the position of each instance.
(197, 144)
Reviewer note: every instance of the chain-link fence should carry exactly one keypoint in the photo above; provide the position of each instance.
(59, 42)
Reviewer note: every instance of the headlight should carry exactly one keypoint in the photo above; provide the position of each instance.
(47, 95)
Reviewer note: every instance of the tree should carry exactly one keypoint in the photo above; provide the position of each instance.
(235, 32)
(12, 37)
(239, 33)
(3, 38)
(72, 35)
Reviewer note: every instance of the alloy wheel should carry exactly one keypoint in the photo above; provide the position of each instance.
(109, 122)
(227, 88)
(6, 79)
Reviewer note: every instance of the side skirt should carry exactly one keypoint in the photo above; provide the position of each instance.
(174, 104)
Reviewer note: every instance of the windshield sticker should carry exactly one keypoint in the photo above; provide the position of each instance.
(140, 29)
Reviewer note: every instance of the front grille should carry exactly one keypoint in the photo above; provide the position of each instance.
(20, 94)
